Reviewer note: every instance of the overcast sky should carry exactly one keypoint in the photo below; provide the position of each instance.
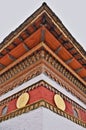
(71, 12)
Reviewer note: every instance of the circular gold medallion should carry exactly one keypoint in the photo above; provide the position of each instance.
(59, 102)
(22, 100)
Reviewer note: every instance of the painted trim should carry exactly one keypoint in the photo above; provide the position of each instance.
(43, 77)
(45, 104)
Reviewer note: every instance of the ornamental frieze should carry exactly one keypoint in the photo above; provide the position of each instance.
(25, 97)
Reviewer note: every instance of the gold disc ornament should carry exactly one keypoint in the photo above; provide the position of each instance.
(22, 100)
(59, 102)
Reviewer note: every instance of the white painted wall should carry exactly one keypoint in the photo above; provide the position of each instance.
(27, 121)
(39, 119)
(48, 80)
(52, 121)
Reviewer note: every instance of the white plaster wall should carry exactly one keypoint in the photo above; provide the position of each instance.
(52, 121)
(28, 121)
(48, 80)
(39, 119)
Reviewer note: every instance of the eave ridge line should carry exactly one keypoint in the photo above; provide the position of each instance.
(56, 20)
(62, 28)
(21, 28)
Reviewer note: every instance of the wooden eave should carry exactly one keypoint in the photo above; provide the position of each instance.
(45, 26)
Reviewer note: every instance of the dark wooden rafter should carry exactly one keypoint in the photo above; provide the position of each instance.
(34, 26)
(43, 31)
(1, 55)
(79, 59)
(24, 44)
(21, 38)
(84, 65)
(52, 28)
(69, 60)
(76, 53)
(58, 36)
(44, 21)
(83, 62)
(58, 49)
(84, 78)
(70, 49)
(11, 57)
(26, 47)
(7, 50)
(65, 42)
(2, 66)
(79, 69)
(14, 44)
(27, 32)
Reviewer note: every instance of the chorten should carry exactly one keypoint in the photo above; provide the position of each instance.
(42, 76)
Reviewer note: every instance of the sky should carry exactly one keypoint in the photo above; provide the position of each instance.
(71, 12)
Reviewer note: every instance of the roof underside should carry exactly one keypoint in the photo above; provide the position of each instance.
(44, 26)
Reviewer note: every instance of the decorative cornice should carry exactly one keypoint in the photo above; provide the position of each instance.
(22, 78)
(32, 59)
(42, 103)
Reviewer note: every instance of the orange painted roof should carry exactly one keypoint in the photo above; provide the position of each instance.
(45, 26)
